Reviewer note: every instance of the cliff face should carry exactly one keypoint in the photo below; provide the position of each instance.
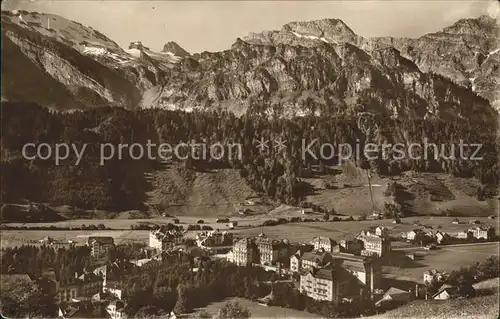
(290, 80)
(175, 49)
(69, 77)
(467, 52)
(315, 67)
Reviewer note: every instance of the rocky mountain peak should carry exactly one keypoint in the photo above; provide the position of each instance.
(311, 67)
(328, 29)
(137, 45)
(481, 26)
(52, 26)
(175, 48)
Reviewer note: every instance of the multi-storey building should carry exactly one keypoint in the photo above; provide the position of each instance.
(296, 259)
(90, 284)
(214, 239)
(99, 245)
(270, 251)
(365, 270)
(323, 243)
(67, 292)
(163, 240)
(482, 232)
(315, 260)
(350, 246)
(86, 285)
(465, 235)
(322, 284)
(375, 246)
(381, 231)
(295, 262)
(345, 275)
(244, 252)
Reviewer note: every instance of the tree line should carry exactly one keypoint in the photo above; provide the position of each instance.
(120, 184)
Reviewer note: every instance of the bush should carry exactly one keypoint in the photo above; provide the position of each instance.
(194, 227)
(270, 222)
(201, 221)
(282, 221)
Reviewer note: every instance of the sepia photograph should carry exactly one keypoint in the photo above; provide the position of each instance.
(250, 159)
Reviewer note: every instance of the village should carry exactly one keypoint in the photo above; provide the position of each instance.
(322, 269)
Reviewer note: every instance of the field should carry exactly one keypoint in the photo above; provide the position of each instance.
(283, 211)
(446, 258)
(350, 193)
(191, 195)
(124, 224)
(258, 311)
(426, 193)
(247, 226)
(301, 232)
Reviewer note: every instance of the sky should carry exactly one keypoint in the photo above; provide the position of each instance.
(214, 25)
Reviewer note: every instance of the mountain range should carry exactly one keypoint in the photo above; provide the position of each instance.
(314, 67)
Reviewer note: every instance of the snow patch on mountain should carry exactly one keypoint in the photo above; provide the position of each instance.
(56, 27)
(494, 51)
(473, 87)
(174, 57)
(168, 56)
(135, 49)
(312, 37)
(94, 51)
(103, 52)
(136, 53)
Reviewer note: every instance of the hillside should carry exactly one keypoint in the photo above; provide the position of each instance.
(483, 307)
(13, 213)
(179, 191)
(347, 192)
(486, 304)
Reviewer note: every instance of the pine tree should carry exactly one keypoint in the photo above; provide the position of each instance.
(181, 303)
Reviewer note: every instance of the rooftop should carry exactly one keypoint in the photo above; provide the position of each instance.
(345, 256)
(395, 291)
(101, 239)
(452, 290)
(324, 274)
(314, 257)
